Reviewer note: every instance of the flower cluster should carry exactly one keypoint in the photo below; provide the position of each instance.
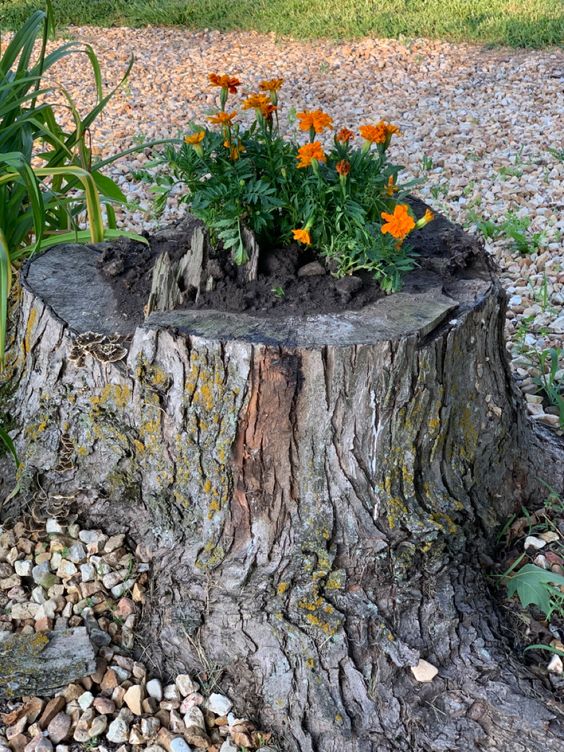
(336, 192)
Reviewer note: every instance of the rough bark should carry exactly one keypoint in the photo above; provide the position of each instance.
(43, 664)
(318, 495)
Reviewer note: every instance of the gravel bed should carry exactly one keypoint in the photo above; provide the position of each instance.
(477, 126)
(54, 576)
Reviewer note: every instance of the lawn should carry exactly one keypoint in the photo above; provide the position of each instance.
(518, 23)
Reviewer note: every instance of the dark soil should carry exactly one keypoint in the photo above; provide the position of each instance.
(290, 281)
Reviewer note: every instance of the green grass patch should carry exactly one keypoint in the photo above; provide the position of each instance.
(517, 23)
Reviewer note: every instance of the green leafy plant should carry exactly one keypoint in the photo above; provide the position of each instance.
(50, 187)
(537, 586)
(515, 228)
(342, 200)
(550, 363)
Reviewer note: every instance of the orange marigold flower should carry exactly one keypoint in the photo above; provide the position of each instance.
(260, 102)
(379, 133)
(399, 224)
(391, 188)
(195, 138)
(316, 119)
(343, 167)
(225, 82)
(256, 101)
(223, 118)
(302, 236)
(344, 136)
(309, 152)
(235, 149)
(272, 84)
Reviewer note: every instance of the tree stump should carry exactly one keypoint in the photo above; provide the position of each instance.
(321, 496)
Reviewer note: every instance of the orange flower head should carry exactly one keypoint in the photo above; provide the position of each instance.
(309, 152)
(399, 224)
(391, 188)
(260, 102)
(225, 82)
(271, 85)
(343, 167)
(302, 236)
(235, 149)
(379, 133)
(344, 136)
(223, 118)
(195, 138)
(314, 119)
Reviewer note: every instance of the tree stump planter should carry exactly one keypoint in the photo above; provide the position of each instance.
(320, 496)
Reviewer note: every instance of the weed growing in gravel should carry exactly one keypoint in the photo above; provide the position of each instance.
(332, 189)
(514, 228)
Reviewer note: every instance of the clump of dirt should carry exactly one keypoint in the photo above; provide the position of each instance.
(290, 280)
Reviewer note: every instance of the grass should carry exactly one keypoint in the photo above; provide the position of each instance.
(517, 23)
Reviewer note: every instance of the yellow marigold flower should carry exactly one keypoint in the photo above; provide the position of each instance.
(225, 82)
(379, 133)
(223, 118)
(344, 136)
(343, 167)
(272, 84)
(302, 236)
(391, 188)
(195, 138)
(399, 224)
(316, 119)
(309, 152)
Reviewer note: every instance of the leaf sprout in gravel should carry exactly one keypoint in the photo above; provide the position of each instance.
(336, 192)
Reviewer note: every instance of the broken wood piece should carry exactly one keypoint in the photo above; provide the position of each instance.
(44, 663)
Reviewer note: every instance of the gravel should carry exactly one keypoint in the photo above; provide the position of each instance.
(477, 126)
(120, 704)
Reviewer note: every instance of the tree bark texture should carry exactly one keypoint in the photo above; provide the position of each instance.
(318, 493)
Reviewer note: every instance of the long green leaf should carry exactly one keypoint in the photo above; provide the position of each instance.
(83, 236)
(9, 444)
(5, 285)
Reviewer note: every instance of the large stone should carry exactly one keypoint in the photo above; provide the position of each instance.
(219, 704)
(178, 744)
(118, 731)
(186, 685)
(59, 727)
(155, 689)
(134, 697)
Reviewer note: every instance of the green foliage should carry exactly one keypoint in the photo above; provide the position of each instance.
(550, 362)
(514, 228)
(48, 182)
(332, 198)
(536, 586)
(7, 444)
(518, 23)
